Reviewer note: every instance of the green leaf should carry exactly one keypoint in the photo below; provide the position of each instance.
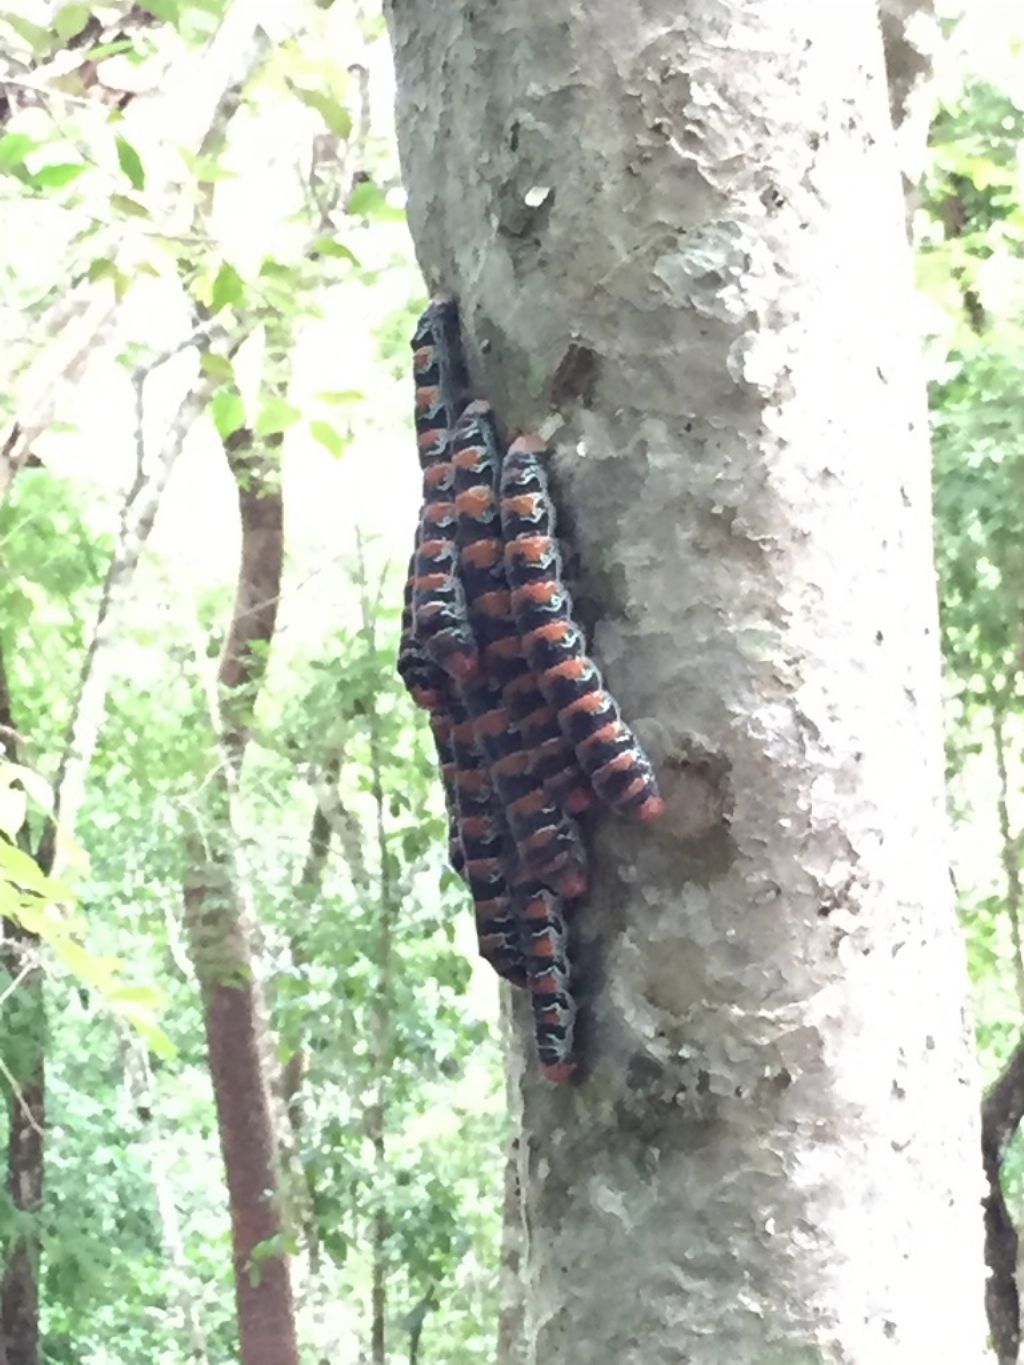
(329, 246)
(131, 163)
(20, 869)
(142, 1022)
(329, 437)
(97, 54)
(14, 148)
(57, 175)
(276, 416)
(123, 203)
(367, 200)
(101, 268)
(168, 10)
(70, 20)
(332, 111)
(40, 40)
(206, 168)
(228, 288)
(339, 396)
(228, 412)
(210, 362)
(147, 996)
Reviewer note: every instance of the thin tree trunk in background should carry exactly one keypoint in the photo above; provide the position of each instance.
(293, 1071)
(1003, 1106)
(1009, 843)
(25, 1046)
(383, 1004)
(24, 1023)
(218, 931)
(178, 1283)
(673, 228)
(24, 1026)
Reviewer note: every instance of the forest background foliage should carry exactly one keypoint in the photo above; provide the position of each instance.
(202, 234)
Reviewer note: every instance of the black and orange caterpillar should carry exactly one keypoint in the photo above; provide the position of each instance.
(527, 736)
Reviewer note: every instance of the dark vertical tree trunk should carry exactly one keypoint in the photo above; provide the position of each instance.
(25, 1047)
(1001, 1114)
(217, 922)
(24, 1027)
(1003, 1106)
(673, 228)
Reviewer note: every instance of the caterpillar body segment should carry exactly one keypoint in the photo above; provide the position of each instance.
(479, 537)
(611, 756)
(440, 376)
(441, 729)
(423, 680)
(440, 621)
(429, 688)
(475, 464)
(486, 849)
(549, 978)
(547, 844)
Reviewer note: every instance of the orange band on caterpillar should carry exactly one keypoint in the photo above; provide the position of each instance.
(570, 681)
(546, 945)
(479, 538)
(483, 836)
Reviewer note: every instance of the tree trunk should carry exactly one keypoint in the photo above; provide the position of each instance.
(24, 1028)
(218, 934)
(25, 1045)
(675, 230)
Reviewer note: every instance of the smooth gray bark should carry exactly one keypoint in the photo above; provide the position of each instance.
(676, 231)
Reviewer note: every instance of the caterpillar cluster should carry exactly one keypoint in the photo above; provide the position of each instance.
(527, 736)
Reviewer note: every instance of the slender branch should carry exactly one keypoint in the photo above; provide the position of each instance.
(19, 1099)
(1010, 850)
(341, 822)
(137, 518)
